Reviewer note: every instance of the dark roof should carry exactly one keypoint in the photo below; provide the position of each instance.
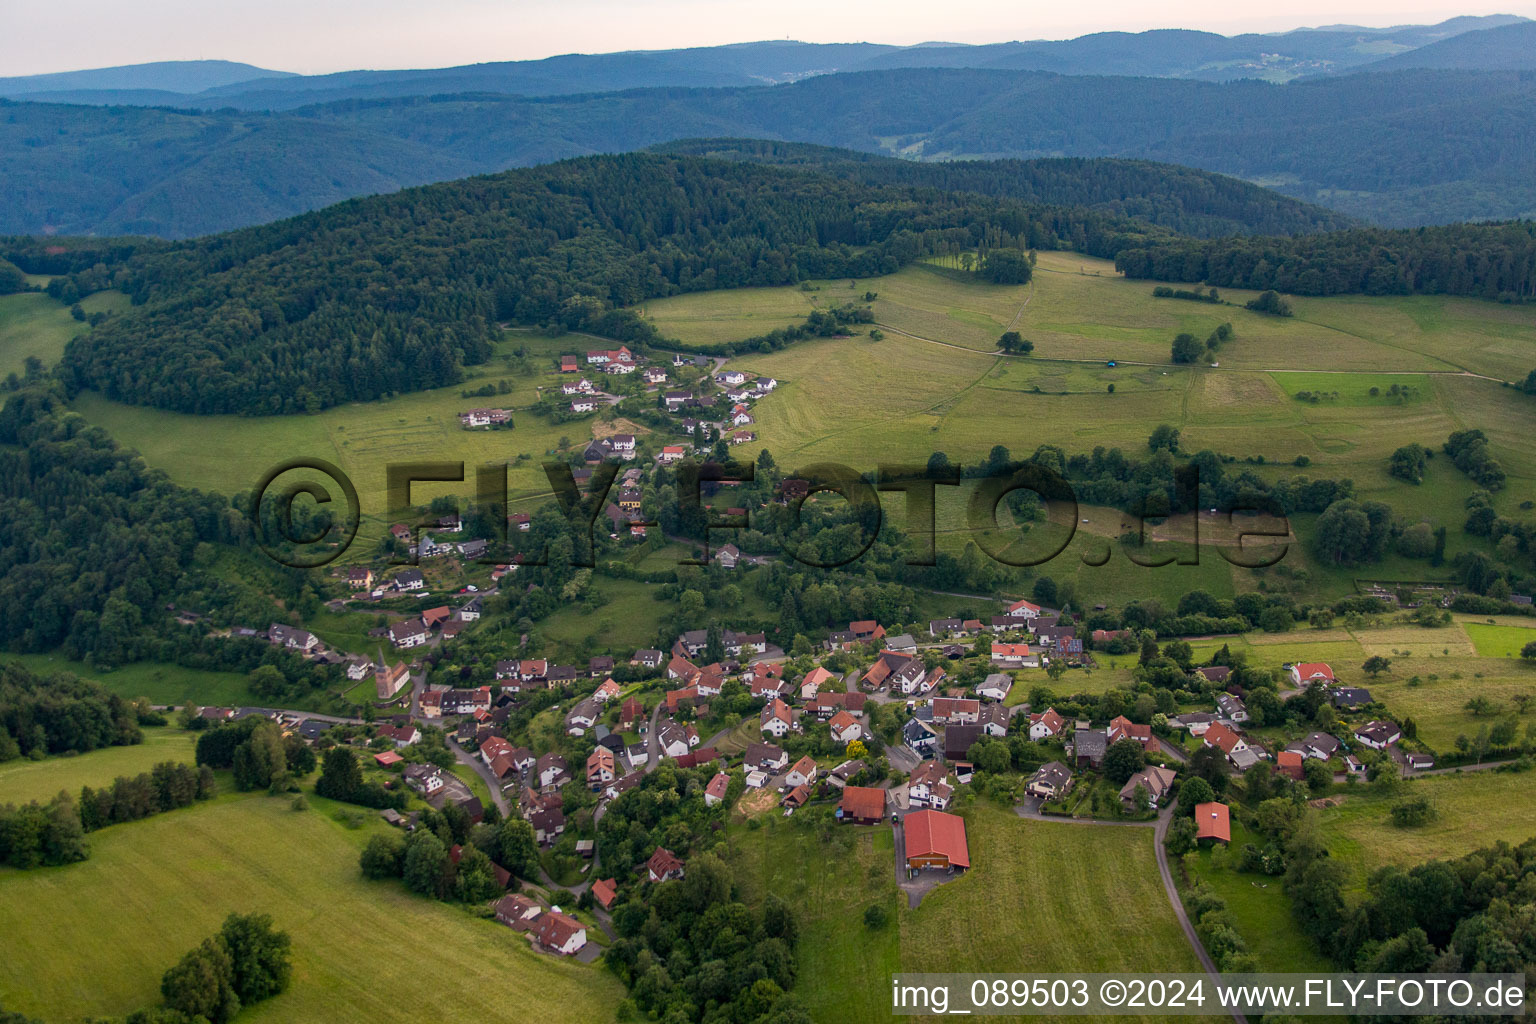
(958, 740)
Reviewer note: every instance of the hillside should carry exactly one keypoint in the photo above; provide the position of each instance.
(1401, 148)
(1178, 198)
(182, 77)
(398, 293)
(1505, 48)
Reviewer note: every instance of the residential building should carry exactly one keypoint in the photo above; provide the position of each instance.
(995, 687)
(935, 840)
(663, 866)
(928, 786)
(1378, 735)
(1307, 673)
(1213, 821)
(803, 773)
(861, 805)
(1050, 781)
(1156, 780)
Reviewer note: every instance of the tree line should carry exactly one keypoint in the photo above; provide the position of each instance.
(1488, 261)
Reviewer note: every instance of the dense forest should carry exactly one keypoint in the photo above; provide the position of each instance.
(56, 714)
(398, 293)
(1490, 261)
(1401, 148)
(91, 541)
(1182, 199)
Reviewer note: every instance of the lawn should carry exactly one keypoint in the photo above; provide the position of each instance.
(1475, 809)
(1496, 641)
(93, 938)
(22, 781)
(1261, 909)
(161, 683)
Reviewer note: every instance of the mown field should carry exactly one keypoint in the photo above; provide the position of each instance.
(1041, 897)
(22, 781)
(1473, 810)
(94, 938)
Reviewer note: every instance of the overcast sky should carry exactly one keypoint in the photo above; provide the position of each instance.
(316, 36)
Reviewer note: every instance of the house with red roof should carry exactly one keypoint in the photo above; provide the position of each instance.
(776, 719)
(560, 933)
(846, 728)
(1046, 724)
(1122, 728)
(861, 805)
(814, 680)
(1213, 821)
(715, 791)
(1308, 672)
(1014, 656)
(935, 840)
(1022, 610)
(663, 866)
(605, 890)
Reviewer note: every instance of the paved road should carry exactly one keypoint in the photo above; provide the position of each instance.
(1172, 751)
(1163, 821)
(478, 764)
(653, 742)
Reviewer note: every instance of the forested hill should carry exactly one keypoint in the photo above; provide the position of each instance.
(1191, 202)
(397, 293)
(1490, 261)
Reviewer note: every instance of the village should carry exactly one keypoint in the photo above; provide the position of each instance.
(878, 727)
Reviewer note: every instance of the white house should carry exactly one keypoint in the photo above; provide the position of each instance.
(1378, 735)
(995, 687)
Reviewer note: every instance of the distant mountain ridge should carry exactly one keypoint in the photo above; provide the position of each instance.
(1398, 148)
(170, 77)
(1170, 53)
(1506, 48)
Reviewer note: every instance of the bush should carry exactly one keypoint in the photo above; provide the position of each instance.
(876, 917)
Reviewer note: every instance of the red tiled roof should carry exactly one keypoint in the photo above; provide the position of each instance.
(1219, 735)
(931, 833)
(604, 890)
(863, 802)
(1213, 821)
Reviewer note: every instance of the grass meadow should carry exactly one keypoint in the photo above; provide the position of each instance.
(161, 683)
(1260, 907)
(1473, 810)
(22, 781)
(32, 324)
(934, 383)
(94, 938)
(1040, 897)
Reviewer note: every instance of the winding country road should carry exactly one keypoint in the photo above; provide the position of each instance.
(1163, 821)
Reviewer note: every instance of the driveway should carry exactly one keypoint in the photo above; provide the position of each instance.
(464, 757)
(1163, 821)
(925, 882)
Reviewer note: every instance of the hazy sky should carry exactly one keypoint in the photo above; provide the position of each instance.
(314, 36)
